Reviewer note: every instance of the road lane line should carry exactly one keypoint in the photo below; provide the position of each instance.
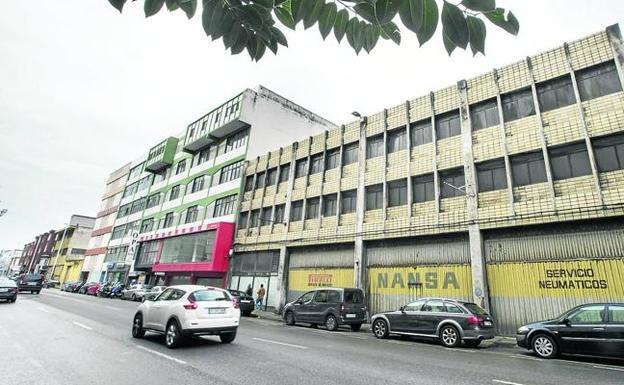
(608, 367)
(112, 307)
(507, 382)
(44, 310)
(163, 355)
(280, 343)
(82, 325)
(460, 350)
(526, 358)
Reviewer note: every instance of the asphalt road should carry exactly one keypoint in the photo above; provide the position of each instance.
(62, 338)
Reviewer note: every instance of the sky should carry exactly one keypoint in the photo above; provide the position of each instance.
(84, 90)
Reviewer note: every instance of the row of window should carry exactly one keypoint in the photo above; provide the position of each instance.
(116, 254)
(566, 162)
(231, 143)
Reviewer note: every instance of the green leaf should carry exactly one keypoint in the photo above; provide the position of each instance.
(314, 13)
(230, 38)
(265, 3)
(172, 5)
(240, 43)
(251, 16)
(260, 49)
(284, 15)
(477, 31)
(386, 10)
(391, 31)
(151, 7)
(454, 25)
(366, 11)
(448, 44)
(479, 5)
(411, 13)
(189, 7)
(209, 7)
(327, 19)
(340, 26)
(298, 9)
(429, 23)
(216, 21)
(352, 26)
(509, 24)
(252, 46)
(118, 4)
(371, 37)
(224, 25)
(279, 36)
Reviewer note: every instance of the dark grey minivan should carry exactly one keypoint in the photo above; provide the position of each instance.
(328, 306)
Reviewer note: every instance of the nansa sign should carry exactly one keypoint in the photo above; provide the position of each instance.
(436, 280)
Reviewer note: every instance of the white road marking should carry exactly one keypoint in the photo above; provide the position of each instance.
(82, 325)
(526, 357)
(112, 308)
(163, 355)
(44, 310)
(461, 350)
(280, 343)
(608, 367)
(506, 382)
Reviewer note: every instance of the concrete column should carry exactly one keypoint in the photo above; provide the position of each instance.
(282, 278)
(501, 119)
(436, 175)
(477, 259)
(617, 45)
(408, 166)
(359, 254)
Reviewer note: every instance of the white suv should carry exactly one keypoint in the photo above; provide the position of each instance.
(188, 310)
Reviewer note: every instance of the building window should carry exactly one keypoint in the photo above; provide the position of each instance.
(609, 151)
(350, 153)
(284, 173)
(147, 225)
(491, 175)
(569, 161)
(296, 211)
(153, 201)
(332, 157)
(260, 180)
(301, 168)
(175, 192)
(397, 193)
(180, 167)
(329, 205)
(253, 218)
(447, 125)
(271, 176)
(136, 171)
(598, 80)
(348, 201)
(518, 105)
(198, 184)
(225, 205)
(242, 220)
(374, 197)
(160, 176)
(231, 172)
(278, 215)
(528, 169)
(555, 93)
(131, 228)
(265, 216)
(145, 183)
(454, 178)
(202, 156)
(249, 183)
(235, 141)
(374, 146)
(316, 163)
(138, 205)
(312, 208)
(168, 222)
(191, 214)
(196, 247)
(130, 190)
(397, 140)
(484, 114)
(423, 189)
(118, 232)
(421, 132)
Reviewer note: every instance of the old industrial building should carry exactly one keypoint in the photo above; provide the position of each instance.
(506, 189)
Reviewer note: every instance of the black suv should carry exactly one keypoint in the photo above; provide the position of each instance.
(328, 306)
(448, 320)
(596, 329)
(30, 282)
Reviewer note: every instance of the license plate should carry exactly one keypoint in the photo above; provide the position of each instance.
(245, 301)
(31, 283)
(216, 311)
(350, 315)
(487, 323)
(4, 290)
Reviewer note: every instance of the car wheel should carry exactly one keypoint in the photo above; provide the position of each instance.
(133, 297)
(331, 323)
(137, 327)
(544, 346)
(38, 291)
(472, 343)
(290, 318)
(227, 337)
(246, 313)
(172, 335)
(380, 328)
(449, 336)
(356, 327)
(13, 300)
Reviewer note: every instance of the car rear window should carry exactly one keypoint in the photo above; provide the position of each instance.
(5, 282)
(475, 309)
(32, 277)
(353, 296)
(211, 295)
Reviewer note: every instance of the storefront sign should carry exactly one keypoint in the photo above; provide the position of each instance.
(319, 280)
(454, 281)
(572, 279)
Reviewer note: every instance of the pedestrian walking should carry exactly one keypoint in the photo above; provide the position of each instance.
(249, 290)
(261, 292)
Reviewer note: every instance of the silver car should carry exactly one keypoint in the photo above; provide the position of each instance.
(135, 292)
(153, 293)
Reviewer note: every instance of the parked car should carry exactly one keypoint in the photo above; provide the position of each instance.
(331, 307)
(30, 282)
(69, 285)
(135, 292)
(8, 289)
(76, 287)
(50, 283)
(188, 310)
(591, 329)
(84, 288)
(244, 300)
(447, 320)
(93, 289)
(153, 292)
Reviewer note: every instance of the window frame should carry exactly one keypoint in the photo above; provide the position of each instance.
(374, 197)
(374, 146)
(350, 197)
(489, 170)
(553, 88)
(332, 158)
(421, 128)
(396, 140)
(350, 153)
(448, 124)
(455, 175)
(428, 183)
(514, 98)
(296, 211)
(330, 202)
(531, 161)
(566, 156)
(399, 187)
(313, 208)
(484, 108)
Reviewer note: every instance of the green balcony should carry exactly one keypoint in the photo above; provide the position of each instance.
(215, 125)
(161, 155)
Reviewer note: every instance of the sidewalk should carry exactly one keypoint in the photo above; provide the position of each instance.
(498, 341)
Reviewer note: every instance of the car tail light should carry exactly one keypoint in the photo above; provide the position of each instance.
(192, 305)
(473, 320)
(13, 290)
(235, 303)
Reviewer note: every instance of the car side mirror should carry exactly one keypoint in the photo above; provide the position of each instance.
(402, 309)
(565, 322)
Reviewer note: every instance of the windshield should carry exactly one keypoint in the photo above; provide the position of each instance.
(211, 295)
(353, 296)
(475, 309)
(5, 282)
(32, 277)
